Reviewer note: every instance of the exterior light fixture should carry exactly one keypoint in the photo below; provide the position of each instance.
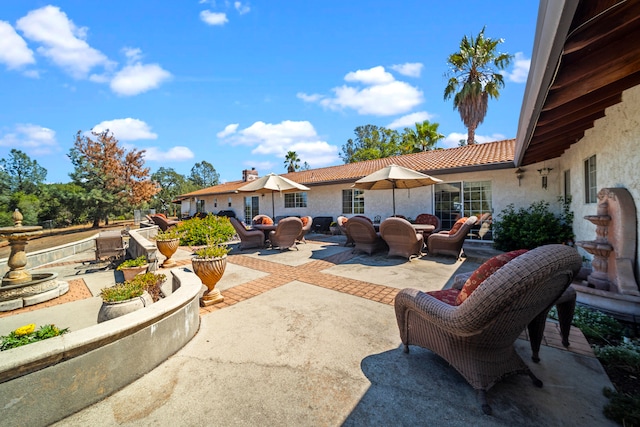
(519, 175)
(544, 172)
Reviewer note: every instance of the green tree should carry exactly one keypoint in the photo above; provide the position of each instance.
(372, 142)
(115, 180)
(203, 175)
(423, 138)
(475, 78)
(21, 173)
(171, 184)
(292, 161)
(64, 204)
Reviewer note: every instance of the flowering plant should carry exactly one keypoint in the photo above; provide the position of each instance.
(27, 334)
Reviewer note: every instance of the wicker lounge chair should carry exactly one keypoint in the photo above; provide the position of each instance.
(477, 336)
(425, 218)
(306, 227)
(285, 234)
(450, 242)
(260, 219)
(248, 238)
(364, 236)
(342, 225)
(402, 238)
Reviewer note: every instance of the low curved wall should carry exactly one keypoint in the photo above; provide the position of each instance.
(43, 382)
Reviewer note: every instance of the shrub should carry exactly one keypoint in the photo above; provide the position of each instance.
(622, 408)
(597, 326)
(133, 288)
(212, 229)
(625, 356)
(28, 334)
(136, 262)
(532, 227)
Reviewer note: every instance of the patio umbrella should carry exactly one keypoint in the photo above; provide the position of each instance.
(274, 183)
(392, 177)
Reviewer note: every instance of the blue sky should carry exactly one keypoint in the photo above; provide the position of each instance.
(239, 84)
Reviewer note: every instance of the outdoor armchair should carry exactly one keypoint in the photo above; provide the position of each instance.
(342, 225)
(364, 236)
(162, 222)
(306, 227)
(425, 218)
(285, 234)
(450, 242)
(262, 219)
(401, 237)
(248, 238)
(477, 337)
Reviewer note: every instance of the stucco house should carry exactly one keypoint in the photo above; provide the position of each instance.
(578, 132)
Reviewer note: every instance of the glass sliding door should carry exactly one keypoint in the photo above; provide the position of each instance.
(251, 208)
(453, 200)
(448, 203)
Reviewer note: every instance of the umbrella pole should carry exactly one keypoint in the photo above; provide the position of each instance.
(273, 208)
(393, 195)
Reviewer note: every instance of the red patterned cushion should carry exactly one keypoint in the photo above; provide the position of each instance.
(457, 225)
(484, 271)
(305, 221)
(448, 296)
(267, 221)
(259, 220)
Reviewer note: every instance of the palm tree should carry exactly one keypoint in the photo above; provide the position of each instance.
(475, 79)
(423, 138)
(292, 161)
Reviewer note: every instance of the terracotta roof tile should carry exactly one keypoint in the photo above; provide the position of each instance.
(477, 156)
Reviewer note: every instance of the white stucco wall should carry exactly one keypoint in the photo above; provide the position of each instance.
(615, 140)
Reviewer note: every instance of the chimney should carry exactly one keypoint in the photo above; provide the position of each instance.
(249, 175)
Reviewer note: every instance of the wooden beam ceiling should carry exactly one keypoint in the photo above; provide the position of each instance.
(600, 60)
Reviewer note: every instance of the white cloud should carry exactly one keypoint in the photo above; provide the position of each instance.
(174, 154)
(410, 69)
(276, 139)
(453, 139)
(61, 41)
(381, 95)
(33, 139)
(410, 120)
(241, 8)
(138, 78)
(126, 129)
(520, 69)
(14, 51)
(213, 18)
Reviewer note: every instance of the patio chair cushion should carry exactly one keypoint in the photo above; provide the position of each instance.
(305, 220)
(457, 225)
(267, 221)
(483, 272)
(448, 296)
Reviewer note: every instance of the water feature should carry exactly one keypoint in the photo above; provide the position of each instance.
(612, 285)
(19, 287)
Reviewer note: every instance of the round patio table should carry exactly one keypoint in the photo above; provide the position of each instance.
(424, 229)
(265, 228)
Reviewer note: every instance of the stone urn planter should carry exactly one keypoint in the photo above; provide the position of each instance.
(131, 272)
(111, 310)
(210, 271)
(167, 248)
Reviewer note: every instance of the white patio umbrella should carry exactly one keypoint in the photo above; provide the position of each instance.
(274, 183)
(392, 177)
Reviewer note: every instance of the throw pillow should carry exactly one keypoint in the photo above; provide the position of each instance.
(457, 225)
(448, 296)
(484, 271)
(267, 221)
(259, 220)
(305, 221)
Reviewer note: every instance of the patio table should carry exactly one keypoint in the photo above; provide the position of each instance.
(424, 229)
(265, 228)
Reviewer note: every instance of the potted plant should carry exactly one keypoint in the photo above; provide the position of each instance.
(167, 243)
(209, 264)
(132, 267)
(129, 296)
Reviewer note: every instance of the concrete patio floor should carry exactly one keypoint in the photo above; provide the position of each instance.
(309, 338)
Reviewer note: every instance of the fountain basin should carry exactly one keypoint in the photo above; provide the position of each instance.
(598, 219)
(41, 287)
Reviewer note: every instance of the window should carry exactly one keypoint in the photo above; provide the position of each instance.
(215, 203)
(454, 200)
(567, 184)
(229, 201)
(295, 200)
(590, 186)
(352, 201)
(200, 206)
(251, 208)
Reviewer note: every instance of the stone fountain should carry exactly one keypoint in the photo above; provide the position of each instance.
(612, 286)
(19, 287)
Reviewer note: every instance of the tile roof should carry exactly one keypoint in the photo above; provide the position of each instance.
(491, 155)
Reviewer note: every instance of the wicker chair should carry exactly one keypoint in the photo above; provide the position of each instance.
(164, 223)
(364, 236)
(425, 218)
(450, 242)
(248, 238)
(306, 227)
(342, 220)
(477, 336)
(259, 218)
(402, 238)
(285, 234)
